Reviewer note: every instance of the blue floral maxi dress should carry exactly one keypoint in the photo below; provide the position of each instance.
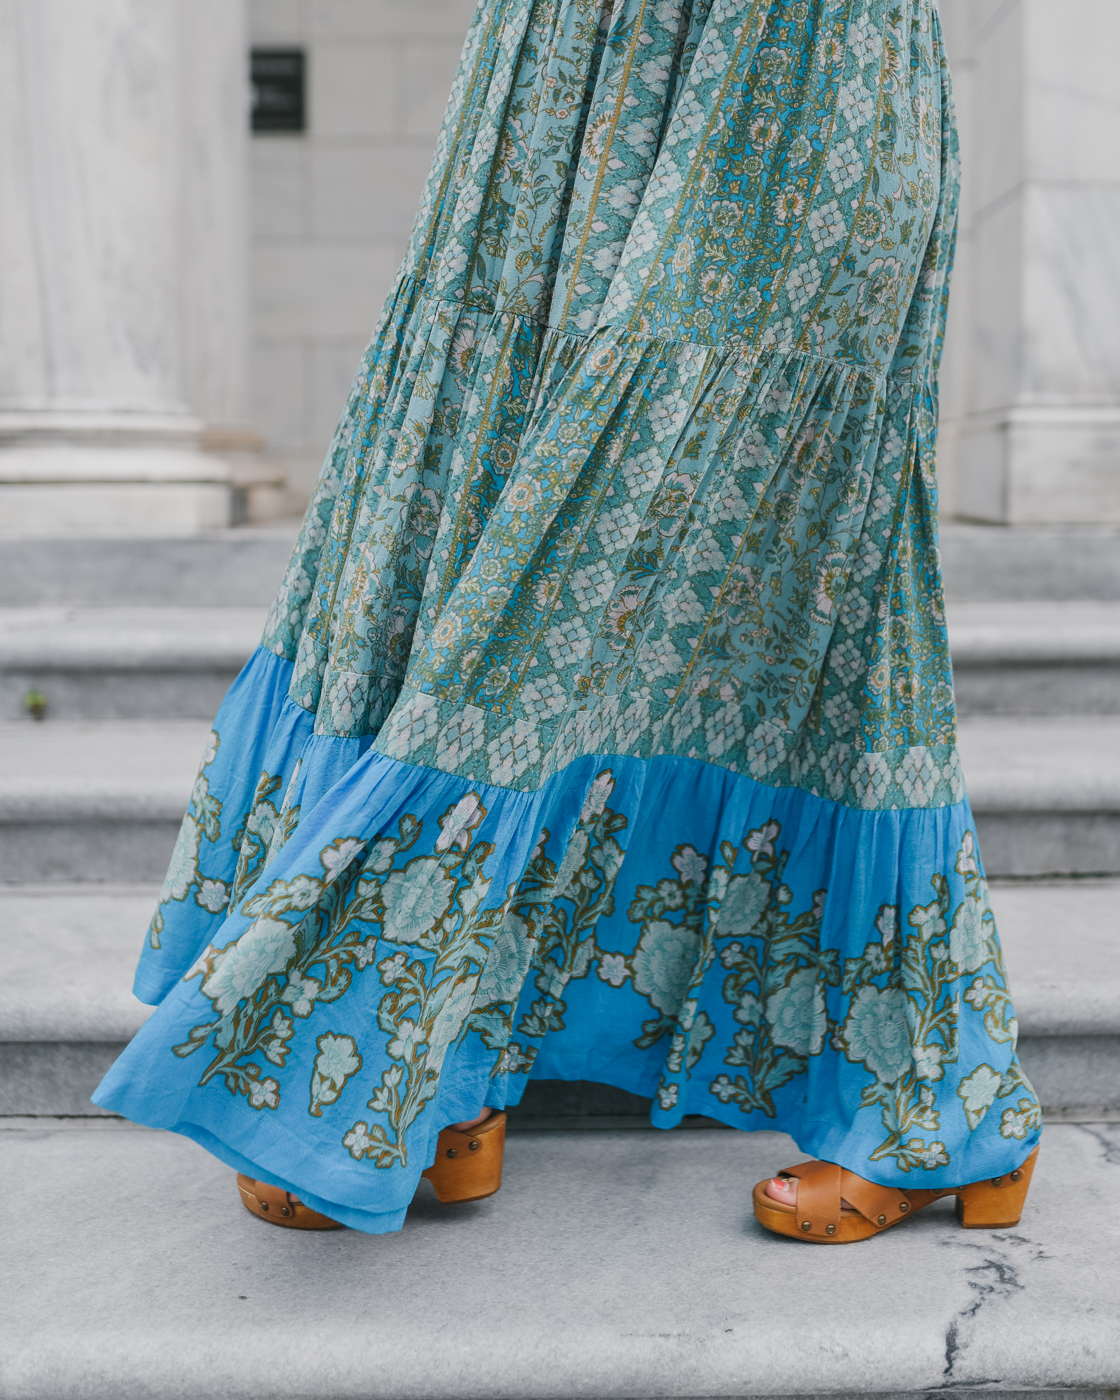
(603, 724)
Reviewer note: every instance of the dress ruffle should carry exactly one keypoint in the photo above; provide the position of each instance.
(420, 946)
(603, 724)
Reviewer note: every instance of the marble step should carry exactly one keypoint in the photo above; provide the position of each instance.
(122, 663)
(177, 662)
(1045, 792)
(85, 801)
(242, 567)
(612, 1266)
(66, 1008)
(1036, 658)
(222, 569)
(991, 563)
(94, 801)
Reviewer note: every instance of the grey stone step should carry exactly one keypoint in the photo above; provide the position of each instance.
(1046, 793)
(103, 800)
(177, 663)
(609, 1265)
(66, 1009)
(122, 663)
(93, 801)
(1036, 658)
(226, 568)
(991, 563)
(242, 567)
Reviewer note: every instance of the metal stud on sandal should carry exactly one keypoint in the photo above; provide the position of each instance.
(819, 1217)
(468, 1167)
(280, 1207)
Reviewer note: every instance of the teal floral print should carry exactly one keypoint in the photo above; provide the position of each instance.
(602, 726)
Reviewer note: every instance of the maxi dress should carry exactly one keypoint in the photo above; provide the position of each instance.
(603, 724)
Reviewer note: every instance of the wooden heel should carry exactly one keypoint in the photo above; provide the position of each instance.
(995, 1204)
(279, 1207)
(468, 1166)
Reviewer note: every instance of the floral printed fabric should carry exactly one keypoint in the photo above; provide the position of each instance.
(603, 724)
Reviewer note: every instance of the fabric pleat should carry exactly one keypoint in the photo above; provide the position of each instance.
(602, 726)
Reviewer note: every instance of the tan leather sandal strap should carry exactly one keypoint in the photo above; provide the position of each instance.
(818, 1198)
(881, 1205)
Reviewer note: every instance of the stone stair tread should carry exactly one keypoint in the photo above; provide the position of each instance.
(216, 568)
(70, 638)
(69, 955)
(1067, 764)
(611, 1264)
(1030, 763)
(99, 637)
(77, 769)
(1061, 942)
(1054, 632)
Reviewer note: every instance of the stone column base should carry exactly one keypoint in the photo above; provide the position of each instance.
(110, 474)
(1040, 466)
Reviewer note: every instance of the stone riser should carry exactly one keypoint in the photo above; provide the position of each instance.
(1076, 1077)
(1031, 844)
(243, 567)
(231, 568)
(1037, 690)
(118, 695)
(95, 851)
(99, 851)
(615, 1265)
(196, 693)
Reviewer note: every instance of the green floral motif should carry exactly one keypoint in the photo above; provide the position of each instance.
(254, 981)
(549, 930)
(777, 975)
(264, 829)
(201, 823)
(902, 1021)
(337, 1061)
(978, 1091)
(430, 905)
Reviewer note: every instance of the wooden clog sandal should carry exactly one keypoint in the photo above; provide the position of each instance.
(468, 1165)
(819, 1218)
(280, 1207)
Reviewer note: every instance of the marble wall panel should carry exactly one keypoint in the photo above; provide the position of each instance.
(279, 209)
(281, 389)
(386, 17)
(366, 196)
(89, 241)
(994, 308)
(427, 70)
(213, 209)
(1070, 347)
(353, 89)
(997, 154)
(1071, 115)
(319, 290)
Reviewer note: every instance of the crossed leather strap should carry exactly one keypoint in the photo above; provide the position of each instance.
(822, 1185)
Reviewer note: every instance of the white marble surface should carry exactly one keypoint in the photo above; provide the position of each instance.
(331, 209)
(1051, 764)
(122, 260)
(88, 226)
(1036, 327)
(213, 246)
(609, 1265)
(71, 956)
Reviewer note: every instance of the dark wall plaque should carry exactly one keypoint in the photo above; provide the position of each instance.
(279, 84)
